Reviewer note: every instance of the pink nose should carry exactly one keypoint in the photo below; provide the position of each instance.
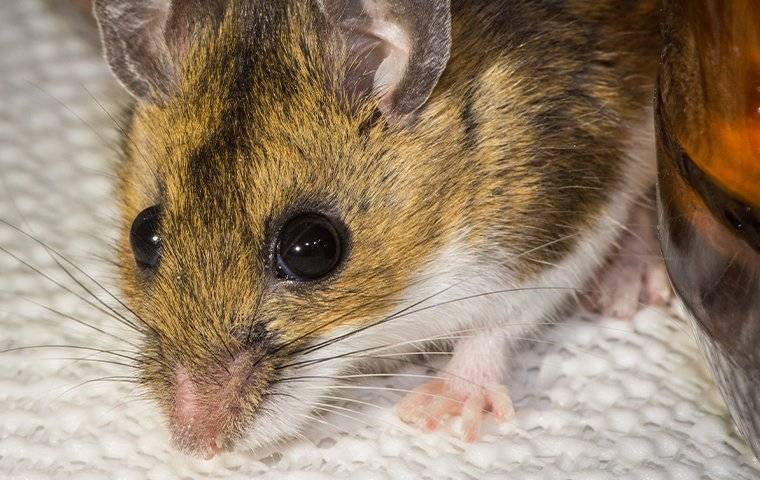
(206, 413)
(197, 422)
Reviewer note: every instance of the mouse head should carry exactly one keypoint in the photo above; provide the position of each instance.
(284, 183)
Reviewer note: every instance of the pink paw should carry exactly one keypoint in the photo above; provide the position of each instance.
(428, 406)
(634, 275)
(625, 286)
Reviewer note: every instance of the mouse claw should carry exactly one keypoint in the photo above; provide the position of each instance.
(472, 417)
(500, 403)
(428, 406)
(495, 400)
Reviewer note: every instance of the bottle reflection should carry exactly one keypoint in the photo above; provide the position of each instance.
(708, 120)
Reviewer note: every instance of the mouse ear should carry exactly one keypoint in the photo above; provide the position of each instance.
(397, 49)
(145, 40)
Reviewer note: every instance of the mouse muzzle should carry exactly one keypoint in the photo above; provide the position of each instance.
(210, 408)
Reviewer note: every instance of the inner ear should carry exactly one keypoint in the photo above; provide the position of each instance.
(378, 54)
(397, 49)
(145, 41)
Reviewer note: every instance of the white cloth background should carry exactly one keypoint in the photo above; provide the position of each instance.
(596, 399)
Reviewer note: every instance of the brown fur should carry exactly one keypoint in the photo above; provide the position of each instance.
(519, 145)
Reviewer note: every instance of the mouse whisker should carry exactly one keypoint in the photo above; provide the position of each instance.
(355, 376)
(385, 389)
(453, 336)
(406, 312)
(338, 398)
(75, 360)
(393, 315)
(384, 347)
(97, 351)
(338, 409)
(218, 356)
(320, 327)
(404, 426)
(352, 414)
(272, 352)
(60, 285)
(83, 323)
(131, 355)
(111, 145)
(142, 398)
(251, 324)
(418, 364)
(55, 255)
(321, 419)
(226, 347)
(506, 337)
(617, 225)
(306, 378)
(391, 357)
(422, 340)
(546, 245)
(106, 379)
(117, 353)
(121, 128)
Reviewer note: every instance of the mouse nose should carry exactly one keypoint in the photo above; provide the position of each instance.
(207, 411)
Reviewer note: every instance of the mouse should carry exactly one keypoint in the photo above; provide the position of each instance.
(307, 186)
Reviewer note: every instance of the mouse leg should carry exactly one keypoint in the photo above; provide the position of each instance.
(634, 274)
(471, 387)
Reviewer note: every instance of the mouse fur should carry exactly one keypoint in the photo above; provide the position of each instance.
(509, 160)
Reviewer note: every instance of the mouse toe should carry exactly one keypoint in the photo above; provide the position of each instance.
(431, 404)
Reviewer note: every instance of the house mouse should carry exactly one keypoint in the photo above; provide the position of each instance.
(306, 184)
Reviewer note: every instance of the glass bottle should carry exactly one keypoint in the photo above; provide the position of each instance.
(708, 127)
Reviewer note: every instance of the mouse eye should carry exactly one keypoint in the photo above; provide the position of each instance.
(144, 238)
(309, 247)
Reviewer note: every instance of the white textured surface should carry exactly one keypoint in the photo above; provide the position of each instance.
(595, 399)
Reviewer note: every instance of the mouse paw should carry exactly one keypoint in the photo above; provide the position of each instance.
(625, 285)
(430, 404)
(634, 275)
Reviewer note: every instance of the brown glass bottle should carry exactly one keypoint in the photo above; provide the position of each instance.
(708, 125)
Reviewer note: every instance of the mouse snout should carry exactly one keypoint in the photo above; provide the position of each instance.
(209, 410)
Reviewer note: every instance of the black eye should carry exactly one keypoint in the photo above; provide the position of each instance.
(309, 248)
(144, 239)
